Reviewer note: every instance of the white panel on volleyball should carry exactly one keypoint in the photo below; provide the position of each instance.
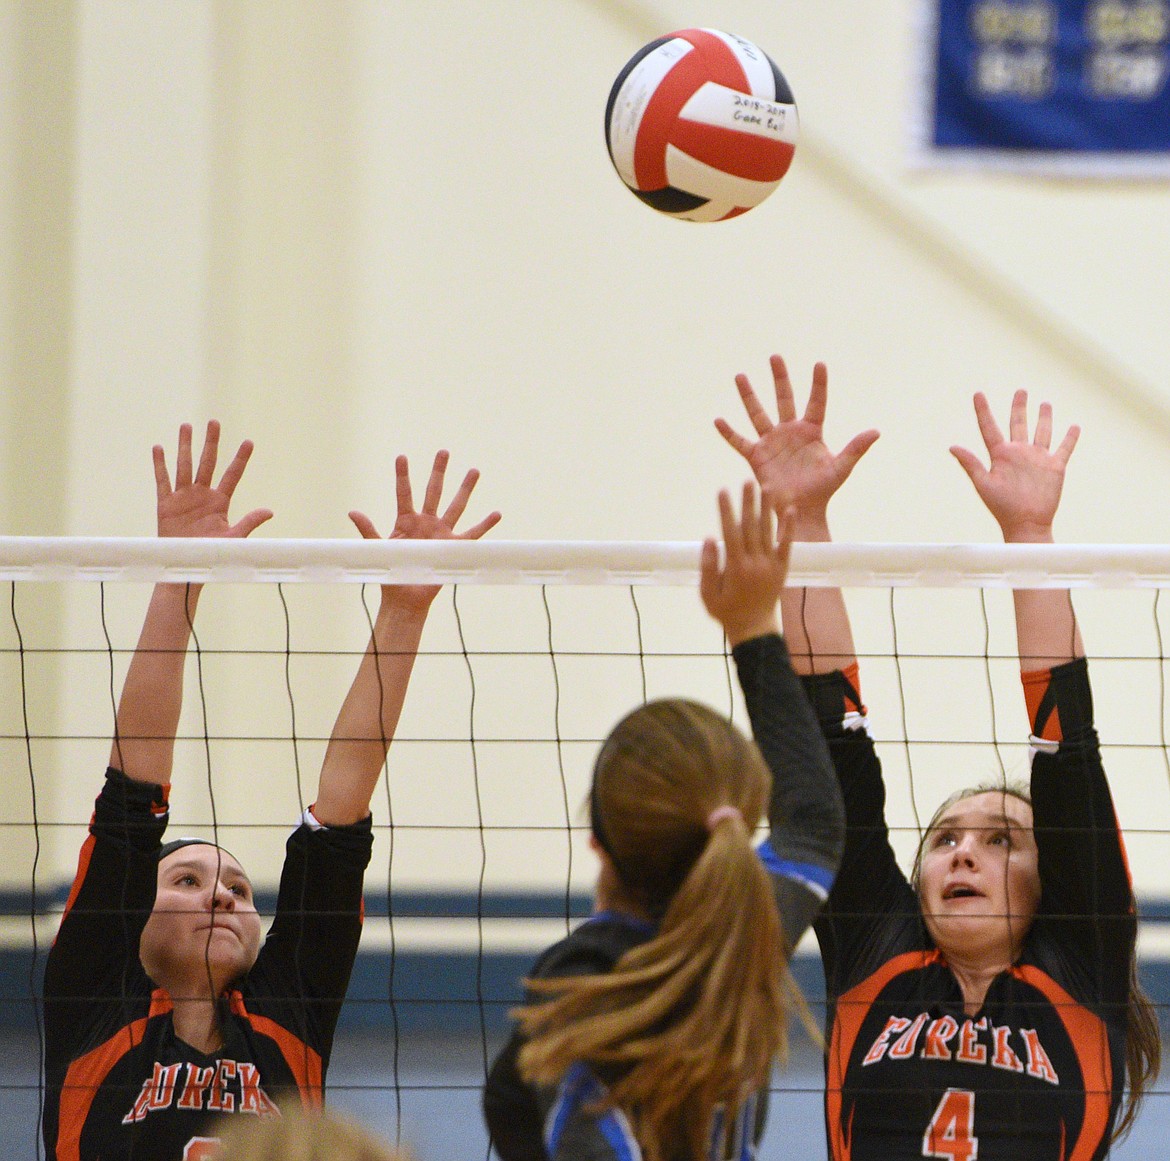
(632, 99)
(726, 192)
(713, 104)
(751, 60)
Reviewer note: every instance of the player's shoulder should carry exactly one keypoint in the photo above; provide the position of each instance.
(593, 947)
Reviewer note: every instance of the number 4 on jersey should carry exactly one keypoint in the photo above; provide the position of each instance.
(951, 1132)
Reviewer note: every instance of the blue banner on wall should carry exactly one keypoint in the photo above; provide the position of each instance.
(1059, 86)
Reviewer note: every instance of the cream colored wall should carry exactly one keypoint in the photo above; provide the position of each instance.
(354, 229)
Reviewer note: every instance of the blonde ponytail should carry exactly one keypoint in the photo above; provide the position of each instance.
(302, 1135)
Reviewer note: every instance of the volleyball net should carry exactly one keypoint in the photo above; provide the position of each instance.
(532, 652)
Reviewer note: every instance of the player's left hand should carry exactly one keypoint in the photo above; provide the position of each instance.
(426, 524)
(195, 505)
(1023, 483)
(741, 593)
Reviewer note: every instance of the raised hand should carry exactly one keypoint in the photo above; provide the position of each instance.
(741, 593)
(152, 694)
(1022, 486)
(195, 506)
(369, 714)
(426, 524)
(790, 457)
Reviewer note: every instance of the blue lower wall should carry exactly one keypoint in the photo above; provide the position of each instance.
(440, 992)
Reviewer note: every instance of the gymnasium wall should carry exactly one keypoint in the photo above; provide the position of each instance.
(349, 230)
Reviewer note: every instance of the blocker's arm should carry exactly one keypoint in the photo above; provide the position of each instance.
(152, 694)
(369, 715)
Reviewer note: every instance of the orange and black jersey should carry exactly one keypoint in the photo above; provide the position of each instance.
(1037, 1074)
(119, 1083)
(806, 834)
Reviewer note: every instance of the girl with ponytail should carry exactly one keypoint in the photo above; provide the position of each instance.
(650, 1032)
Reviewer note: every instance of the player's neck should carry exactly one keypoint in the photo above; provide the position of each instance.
(194, 994)
(197, 1024)
(974, 975)
(612, 895)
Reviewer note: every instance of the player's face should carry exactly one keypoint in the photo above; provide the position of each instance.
(979, 880)
(204, 921)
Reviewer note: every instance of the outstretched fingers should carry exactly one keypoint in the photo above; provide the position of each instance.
(1065, 450)
(435, 480)
(709, 572)
(1018, 428)
(248, 524)
(971, 464)
(1043, 435)
(485, 525)
(782, 385)
(365, 526)
(818, 396)
(234, 470)
(759, 418)
(741, 592)
(988, 428)
(208, 455)
(186, 474)
(183, 458)
(732, 533)
(458, 506)
(739, 443)
(848, 456)
(162, 477)
(403, 494)
(427, 522)
(461, 498)
(756, 525)
(1018, 421)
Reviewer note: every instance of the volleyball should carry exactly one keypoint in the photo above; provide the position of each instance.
(701, 125)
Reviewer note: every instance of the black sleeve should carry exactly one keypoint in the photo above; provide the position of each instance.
(94, 957)
(806, 814)
(511, 1109)
(303, 970)
(872, 912)
(1086, 893)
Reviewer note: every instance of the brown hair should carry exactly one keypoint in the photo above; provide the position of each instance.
(297, 1135)
(1143, 1037)
(693, 1019)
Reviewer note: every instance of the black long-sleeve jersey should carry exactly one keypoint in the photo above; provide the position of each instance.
(807, 831)
(1037, 1074)
(119, 1084)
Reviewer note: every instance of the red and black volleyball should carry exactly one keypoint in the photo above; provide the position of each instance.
(701, 125)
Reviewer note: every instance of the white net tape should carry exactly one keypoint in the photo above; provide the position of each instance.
(509, 562)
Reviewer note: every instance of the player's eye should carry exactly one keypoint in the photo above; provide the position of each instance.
(1000, 838)
(187, 880)
(944, 838)
(241, 890)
